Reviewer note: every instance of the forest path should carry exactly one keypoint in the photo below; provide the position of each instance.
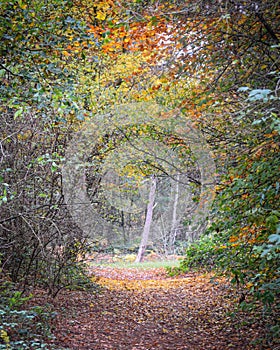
(145, 309)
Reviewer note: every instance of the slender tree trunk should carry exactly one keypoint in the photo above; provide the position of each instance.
(148, 221)
(173, 231)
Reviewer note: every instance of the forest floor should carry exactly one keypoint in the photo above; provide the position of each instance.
(138, 309)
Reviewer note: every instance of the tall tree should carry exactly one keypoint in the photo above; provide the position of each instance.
(148, 220)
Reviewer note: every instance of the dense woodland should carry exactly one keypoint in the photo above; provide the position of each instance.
(141, 87)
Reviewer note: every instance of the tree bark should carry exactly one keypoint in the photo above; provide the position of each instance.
(173, 231)
(148, 220)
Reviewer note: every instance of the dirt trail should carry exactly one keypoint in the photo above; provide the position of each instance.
(145, 310)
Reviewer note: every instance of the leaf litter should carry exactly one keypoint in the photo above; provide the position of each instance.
(139, 309)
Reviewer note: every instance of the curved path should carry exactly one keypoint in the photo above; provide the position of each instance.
(144, 310)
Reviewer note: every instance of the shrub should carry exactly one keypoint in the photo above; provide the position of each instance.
(20, 327)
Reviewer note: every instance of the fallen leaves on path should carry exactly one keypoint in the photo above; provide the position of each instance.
(145, 309)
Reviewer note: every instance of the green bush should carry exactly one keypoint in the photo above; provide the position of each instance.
(200, 255)
(20, 327)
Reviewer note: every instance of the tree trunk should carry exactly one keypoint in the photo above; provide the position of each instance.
(173, 231)
(148, 221)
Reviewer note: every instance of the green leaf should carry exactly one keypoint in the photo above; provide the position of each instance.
(243, 88)
(275, 238)
(18, 112)
(259, 94)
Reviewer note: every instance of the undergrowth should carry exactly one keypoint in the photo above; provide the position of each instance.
(23, 327)
(252, 271)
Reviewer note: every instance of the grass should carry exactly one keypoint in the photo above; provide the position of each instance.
(142, 265)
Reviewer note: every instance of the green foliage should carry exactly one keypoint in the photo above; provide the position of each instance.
(199, 255)
(246, 248)
(49, 85)
(21, 327)
(36, 70)
(243, 240)
(16, 300)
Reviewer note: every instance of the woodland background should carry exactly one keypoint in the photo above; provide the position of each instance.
(64, 62)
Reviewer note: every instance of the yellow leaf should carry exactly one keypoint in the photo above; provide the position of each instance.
(101, 15)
